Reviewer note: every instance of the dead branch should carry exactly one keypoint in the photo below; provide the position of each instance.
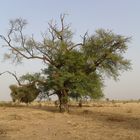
(14, 75)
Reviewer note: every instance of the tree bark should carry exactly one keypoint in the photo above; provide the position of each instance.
(63, 101)
(60, 102)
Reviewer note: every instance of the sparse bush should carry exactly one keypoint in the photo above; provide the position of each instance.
(25, 94)
(113, 101)
(129, 110)
(107, 99)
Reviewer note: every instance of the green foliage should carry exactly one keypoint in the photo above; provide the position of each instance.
(72, 70)
(29, 78)
(71, 76)
(81, 71)
(26, 93)
(104, 53)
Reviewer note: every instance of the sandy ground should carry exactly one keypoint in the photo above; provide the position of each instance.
(99, 122)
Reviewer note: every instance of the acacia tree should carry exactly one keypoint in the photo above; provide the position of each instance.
(71, 68)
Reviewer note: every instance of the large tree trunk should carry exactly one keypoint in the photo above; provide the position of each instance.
(60, 102)
(63, 101)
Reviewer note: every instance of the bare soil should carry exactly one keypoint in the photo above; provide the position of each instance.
(108, 121)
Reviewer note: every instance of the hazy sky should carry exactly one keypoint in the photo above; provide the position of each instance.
(121, 16)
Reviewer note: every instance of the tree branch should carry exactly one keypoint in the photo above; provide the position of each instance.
(74, 46)
(14, 75)
(103, 57)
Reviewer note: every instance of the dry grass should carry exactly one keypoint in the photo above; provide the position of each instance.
(96, 121)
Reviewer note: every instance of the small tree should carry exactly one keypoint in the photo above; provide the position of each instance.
(70, 67)
(26, 93)
(28, 88)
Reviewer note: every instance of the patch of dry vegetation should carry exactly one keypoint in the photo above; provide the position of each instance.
(98, 121)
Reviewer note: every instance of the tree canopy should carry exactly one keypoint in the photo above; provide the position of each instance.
(72, 69)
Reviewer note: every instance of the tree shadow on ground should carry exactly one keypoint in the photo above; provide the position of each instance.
(110, 119)
(52, 109)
